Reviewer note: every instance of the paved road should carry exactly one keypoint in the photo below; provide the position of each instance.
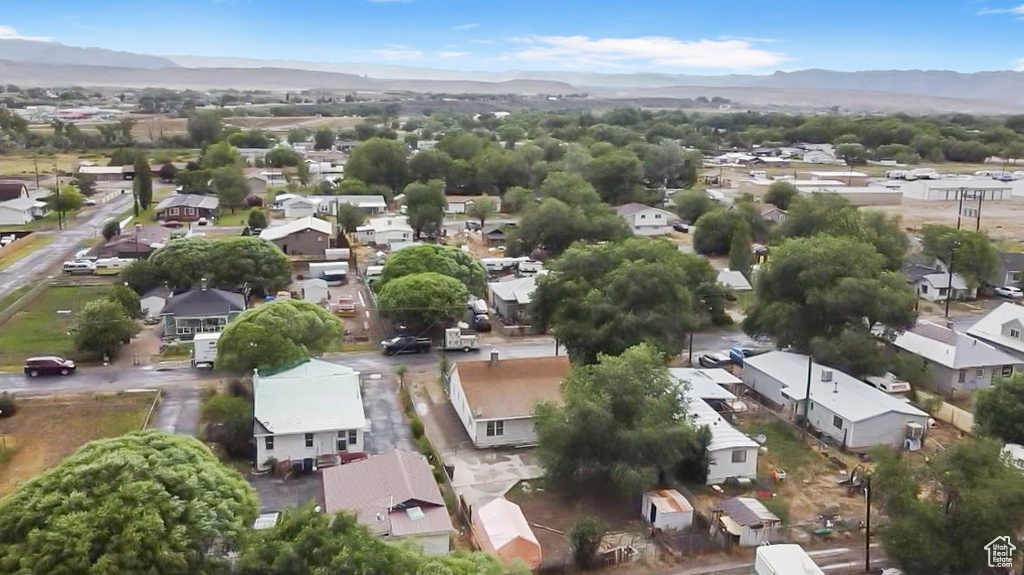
(178, 411)
(39, 262)
(842, 559)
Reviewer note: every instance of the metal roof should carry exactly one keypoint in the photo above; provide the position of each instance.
(517, 291)
(746, 511)
(950, 348)
(314, 396)
(734, 280)
(723, 435)
(942, 280)
(704, 383)
(990, 327)
(787, 559)
(300, 225)
(189, 200)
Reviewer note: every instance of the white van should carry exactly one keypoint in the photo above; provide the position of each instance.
(74, 268)
(110, 266)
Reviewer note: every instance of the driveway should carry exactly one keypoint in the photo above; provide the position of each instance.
(279, 494)
(178, 411)
(388, 429)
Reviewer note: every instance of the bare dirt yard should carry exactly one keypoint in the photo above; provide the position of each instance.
(46, 430)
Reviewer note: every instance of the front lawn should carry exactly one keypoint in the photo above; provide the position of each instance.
(39, 329)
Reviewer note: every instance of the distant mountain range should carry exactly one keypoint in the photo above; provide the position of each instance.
(51, 64)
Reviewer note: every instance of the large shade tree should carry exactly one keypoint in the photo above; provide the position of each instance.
(425, 205)
(552, 226)
(607, 298)
(379, 161)
(146, 502)
(974, 256)
(444, 260)
(277, 335)
(423, 300)
(102, 327)
(999, 410)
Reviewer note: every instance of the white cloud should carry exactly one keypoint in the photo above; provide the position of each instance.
(9, 33)
(660, 51)
(454, 54)
(466, 26)
(397, 54)
(749, 39)
(482, 41)
(1019, 65)
(1018, 10)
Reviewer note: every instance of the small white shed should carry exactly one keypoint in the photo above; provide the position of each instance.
(314, 290)
(666, 509)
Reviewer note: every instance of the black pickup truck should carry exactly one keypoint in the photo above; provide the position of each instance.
(405, 344)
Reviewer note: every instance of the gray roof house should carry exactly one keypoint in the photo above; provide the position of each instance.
(959, 363)
(186, 207)
(839, 406)
(510, 298)
(1011, 268)
(1002, 327)
(200, 310)
(936, 286)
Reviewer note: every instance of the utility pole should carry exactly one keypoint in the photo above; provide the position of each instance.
(977, 226)
(949, 288)
(960, 208)
(35, 163)
(867, 525)
(690, 361)
(807, 398)
(56, 193)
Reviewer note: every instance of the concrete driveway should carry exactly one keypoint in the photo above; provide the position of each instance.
(178, 411)
(388, 429)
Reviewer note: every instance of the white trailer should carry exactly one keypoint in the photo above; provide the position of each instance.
(454, 339)
(334, 273)
(204, 349)
(337, 254)
(784, 559)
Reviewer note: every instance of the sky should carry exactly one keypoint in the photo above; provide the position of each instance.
(669, 36)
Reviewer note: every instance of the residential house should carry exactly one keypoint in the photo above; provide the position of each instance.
(840, 406)
(495, 398)
(495, 234)
(394, 495)
(186, 207)
(253, 156)
(21, 210)
(731, 453)
(510, 298)
(309, 236)
(129, 246)
(307, 415)
(460, 204)
(734, 280)
(384, 231)
(1002, 327)
(769, 212)
(200, 310)
(257, 184)
(666, 510)
(645, 220)
(154, 300)
(370, 204)
(744, 521)
(960, 364)
(108, 173)
(295, 205)
(938, 286)
(12, 190)
(1011, 266)
(500, 529)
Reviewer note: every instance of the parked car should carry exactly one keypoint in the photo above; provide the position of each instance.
(48, 365)
(713, 360)
(482, 322)
(740, 352)
(473, 226)
(405, 344)
(681, 227)
(202, 222)
(171, 224)
(1009, 291)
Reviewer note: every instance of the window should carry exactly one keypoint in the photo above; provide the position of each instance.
(269, 443)
(352, 437)
(963, 376)
(1007, 371)
(942, 292)
(924, 288)
(341, 443)
(1014, 277)
(837, 422)
(1015, 333)
(309, 440)
(739, 456)
(495, 428)
(978, 374)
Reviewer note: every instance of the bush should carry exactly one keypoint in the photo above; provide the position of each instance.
(8, 405)
(417, 427)
(229, 424)
(584, 539)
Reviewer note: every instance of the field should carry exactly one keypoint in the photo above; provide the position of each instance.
(24, 247)
(39, 329)
(151, 128)
(46, 430)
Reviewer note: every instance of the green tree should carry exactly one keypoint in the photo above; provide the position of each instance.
(481, 208)
(247, 261)
(553, 226)
(713, 231)
(817, 289)
(86, 184)
(621, 424)
(167, 172)
(145, 502)
(141, 276)
(282, 157)
(297, 135)
(975, 257)
(585, 537)
(143, 183)
(220, 155)
(741, 256)
(569, 187)
(943, 513)
(126, 297)
(852, 154)
(423, 300)
(516, 199)
(607, 298)
(302, 173)
(102, 327)
(780, 194)
(352, 187)
(125, 156)
(230, 186)
(429, 165)
(193, 181)
(616, 176)
(379, 161)
(66, 200)
(204, 128)
(257, 218)
(444, 260)
(323, 139)
(181, 263)
(111, 229)
(692, 204)
(999, 410)
(425, 205)
(276, 336)
(349, 217)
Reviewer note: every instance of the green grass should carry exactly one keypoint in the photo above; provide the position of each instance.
(239, 218)
(785, 449)
(24, 247)
(12, 297)
(39, 329)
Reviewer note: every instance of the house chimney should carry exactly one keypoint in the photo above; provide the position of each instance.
(835, 387)
(202, 284)
(494, 358)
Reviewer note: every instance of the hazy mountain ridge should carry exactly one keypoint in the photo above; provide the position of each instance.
(56, 53)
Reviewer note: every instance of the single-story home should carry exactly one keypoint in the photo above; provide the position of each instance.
(840, 406)
(257, 184)
(645, 220)
(21, 210)
(307, 414)
(154, 300)
(309, 236)
(495, 234)
(12, 190)
(1002, 327)
(731, 453)
(186, 207)
(734, 280)
(936, 286)
(744, 521)
(501, 529)
(295, 205)
(510, 298)
(784, 559)
(395, 496)
(1011, 266)
(495, 398)
(314, 290)
(369, 204)
(384, 231)
(460, 204)
(108, 173)
(200, 310)
(666, 509)
(960, 364)
(129, 246)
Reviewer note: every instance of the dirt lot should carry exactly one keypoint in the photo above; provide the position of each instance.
(46, 430)
(151, 128)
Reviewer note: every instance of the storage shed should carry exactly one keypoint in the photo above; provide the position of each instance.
(666, 509)
(501, 529)
(744, 521)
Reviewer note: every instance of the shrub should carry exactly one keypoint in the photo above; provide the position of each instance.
(8, 405)
(417, 427)
(584, 539)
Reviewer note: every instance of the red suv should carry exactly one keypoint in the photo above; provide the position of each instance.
(50, 365)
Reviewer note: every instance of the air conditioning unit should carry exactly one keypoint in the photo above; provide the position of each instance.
(826, 375)
(915, 430)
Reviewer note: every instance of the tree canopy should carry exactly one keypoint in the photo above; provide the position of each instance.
(146, 502)
(379, 161)
(230, 186)
(692, 204)
(227, 263)
(425, 205)
(975, 257)
(277, 335)
(552, 226)
(444, 260)
(102, 327)
(622, 423)
(999, 410)
(607, 298)
(780, 194)
(423, 300)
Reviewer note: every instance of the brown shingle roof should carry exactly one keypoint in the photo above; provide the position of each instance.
(387, 486)
(513, 386)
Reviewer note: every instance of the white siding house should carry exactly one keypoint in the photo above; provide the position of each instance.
(1003, 327)
(842, 407)
(314, 409)
(385, 231)
(295, 206)
(645, 220)
(494, 399)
